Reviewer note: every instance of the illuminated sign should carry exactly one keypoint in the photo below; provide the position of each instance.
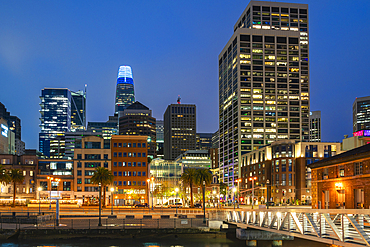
(4, 130)
(362, 133)
(124, 71)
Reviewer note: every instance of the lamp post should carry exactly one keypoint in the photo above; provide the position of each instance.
(234, 190)
(39, 189)
(252, 179)
(204, 201)
(152, 179)
(267, 192)
(50, 179)
(148, 182)
(99, 224)
(214, 194)
(177, 194)
(238, 180)
(112, 193)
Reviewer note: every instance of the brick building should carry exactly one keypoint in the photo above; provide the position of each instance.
(130, 168)
(342, 181)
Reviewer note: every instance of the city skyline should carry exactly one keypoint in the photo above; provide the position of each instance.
(71, 50)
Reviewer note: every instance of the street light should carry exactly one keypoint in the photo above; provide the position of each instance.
(177, 194)
(214, 194)
(99, 224)
(252, 179)
(148, 182)
(267, 191)
(50, 179)
(234, 190)
(112, 193)
(204, 201)
(238, 180)
(39, 189)
(152, 179)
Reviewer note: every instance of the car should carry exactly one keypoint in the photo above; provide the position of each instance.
(144, 205)
(271, 203)
(197, 205)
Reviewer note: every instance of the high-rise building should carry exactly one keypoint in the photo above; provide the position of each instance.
(160, 138)
(216, 139)
(125, 95)
(315, 126)
(56, 114)
(137, 119)
(361, 114)
(13, 123)
(78, 112)
(179, 130)
(263, 82)
(204, 141)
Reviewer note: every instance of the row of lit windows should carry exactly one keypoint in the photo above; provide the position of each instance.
(124, 154)
(129, 183)
(129, 145)
(122, 164)
(129, 174)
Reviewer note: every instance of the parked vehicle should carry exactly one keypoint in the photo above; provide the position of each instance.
(173, 202)
(143, 205)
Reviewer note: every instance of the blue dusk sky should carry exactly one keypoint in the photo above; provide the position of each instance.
(173, 48)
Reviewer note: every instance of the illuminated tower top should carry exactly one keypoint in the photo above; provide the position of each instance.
(125, 94)
(125, 75)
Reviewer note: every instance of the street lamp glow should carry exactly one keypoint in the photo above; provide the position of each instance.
(176, 190)
(234, 189)
(39, 188)
(111, 189)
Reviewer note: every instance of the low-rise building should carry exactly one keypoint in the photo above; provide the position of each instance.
(342, 181)
(282, 169)
(90, 152)
(130, 170)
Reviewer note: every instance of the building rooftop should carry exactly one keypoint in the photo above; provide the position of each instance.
(354, 154)
(137, 106)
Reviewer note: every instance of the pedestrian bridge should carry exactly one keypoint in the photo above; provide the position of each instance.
(344, 227)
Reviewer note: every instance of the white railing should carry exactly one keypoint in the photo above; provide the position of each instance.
(345, 227)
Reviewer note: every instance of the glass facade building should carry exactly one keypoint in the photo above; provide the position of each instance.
(125, 94)
(361, 114)
(263, 82)
(55, 116)
(78, 113)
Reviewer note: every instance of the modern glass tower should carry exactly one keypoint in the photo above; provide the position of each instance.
(55, 116)
(263, 82)
(125, 94)
(78, 113)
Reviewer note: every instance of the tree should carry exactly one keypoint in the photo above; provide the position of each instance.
(15, 176)
(223, 188)
(4, 176)
(203, 175)
(188, 178)
(103, 177)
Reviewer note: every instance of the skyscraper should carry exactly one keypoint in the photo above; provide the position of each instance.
(78, 113)
(137, 119)
(56, 115)
(315, 126)
(361, 114)
(159, 125)
(125, 95)
(263, 82)
(179, 130)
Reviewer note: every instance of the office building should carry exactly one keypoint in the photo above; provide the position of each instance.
(125, 94)
(283, 168)
(216, 139)
(90, 152)
(137, 119)
(78, 110)
(106, 129)
(361, 114)
(165, 172)
(204, 141)
(179, 130)
(13, 123)
(160, 138)
(315, 126)
(263, 82)
(130, 169)
(56, 114)
(75, 138)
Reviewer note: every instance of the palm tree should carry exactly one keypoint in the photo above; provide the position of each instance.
(201, 175)
(188, 178)
(15, 176)
(103, 177)
(4, 176)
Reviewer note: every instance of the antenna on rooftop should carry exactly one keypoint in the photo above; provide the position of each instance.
(178, 100)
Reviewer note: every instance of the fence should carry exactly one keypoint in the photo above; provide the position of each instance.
(108, 223)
